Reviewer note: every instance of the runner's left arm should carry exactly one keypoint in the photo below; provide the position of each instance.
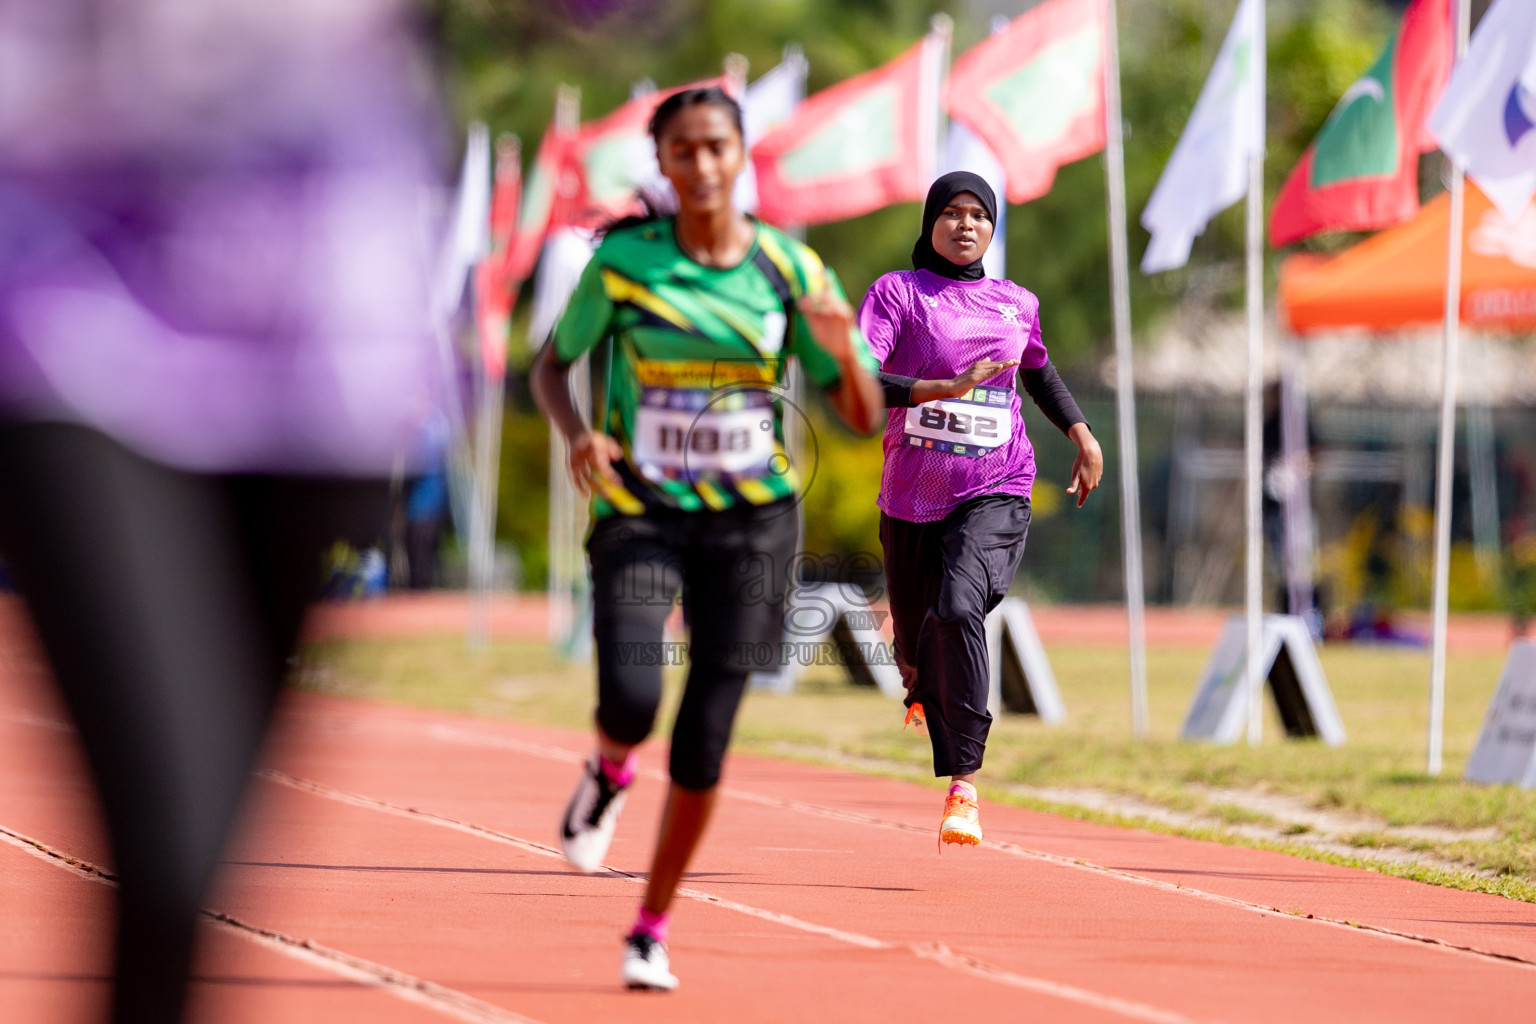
(1050, 394)
(1043, 384)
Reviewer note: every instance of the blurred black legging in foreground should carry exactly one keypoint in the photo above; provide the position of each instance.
(169, 604)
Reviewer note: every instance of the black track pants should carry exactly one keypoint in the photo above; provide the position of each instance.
(944, 577)
(731, 567)
(169, 604)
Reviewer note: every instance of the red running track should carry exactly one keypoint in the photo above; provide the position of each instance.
(396, 866)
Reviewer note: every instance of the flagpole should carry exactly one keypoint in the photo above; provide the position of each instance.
(1450, 364)
(1125, 396)
(1253, 432)
(564, 510)
(493, 391)
(941, 32)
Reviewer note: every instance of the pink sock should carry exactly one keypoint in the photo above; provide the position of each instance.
(654, 925)
(965, 789)
(619, 774)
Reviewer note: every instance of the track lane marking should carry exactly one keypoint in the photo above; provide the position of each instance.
(936, 953)
(470, 737)
(439, 998)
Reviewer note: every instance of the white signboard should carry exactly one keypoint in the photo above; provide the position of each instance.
(1506, 748)
(1296, 681)
(1022, 680)
(832, 623)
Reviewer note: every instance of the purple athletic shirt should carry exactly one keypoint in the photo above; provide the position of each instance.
(211, 229)
(922, 325)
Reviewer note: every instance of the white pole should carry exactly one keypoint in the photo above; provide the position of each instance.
(564, 503)
(941, 31)
(557, 588)
(1125, 396)
(1480, 463)
(482, 547)
(1253, 432)
(481, 529)
(1450, 364)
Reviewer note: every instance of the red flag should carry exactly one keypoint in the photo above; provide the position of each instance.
(614, 155)
(550, 193)
(860, 145)
(495, 285)
(1035, 92)
(1362, 170)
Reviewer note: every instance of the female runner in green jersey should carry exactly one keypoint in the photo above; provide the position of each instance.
(692, 488)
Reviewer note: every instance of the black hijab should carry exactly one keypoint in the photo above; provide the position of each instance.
(940, 194)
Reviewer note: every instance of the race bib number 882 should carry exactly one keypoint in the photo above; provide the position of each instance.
(972, 425)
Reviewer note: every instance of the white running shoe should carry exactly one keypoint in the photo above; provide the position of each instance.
(646, 966)
(591, 817)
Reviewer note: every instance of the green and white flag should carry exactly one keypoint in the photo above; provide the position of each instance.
(1208, 171)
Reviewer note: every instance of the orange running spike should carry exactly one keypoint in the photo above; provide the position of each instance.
(962, 820)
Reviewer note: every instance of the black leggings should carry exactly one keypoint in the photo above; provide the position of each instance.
(731, 567)
(169, 604)
(944, 577)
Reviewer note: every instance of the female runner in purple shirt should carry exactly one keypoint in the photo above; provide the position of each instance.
(954, 497)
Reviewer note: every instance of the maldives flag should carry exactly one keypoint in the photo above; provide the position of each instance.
(495, 284)
(1035, 92)
(1362, 170)
(858, 146)
(614, 155)
(547, 197)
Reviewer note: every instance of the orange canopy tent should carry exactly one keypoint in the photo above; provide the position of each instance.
(1397, 278)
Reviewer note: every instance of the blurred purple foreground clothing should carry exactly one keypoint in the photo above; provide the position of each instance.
(922, 325)
(211, 230)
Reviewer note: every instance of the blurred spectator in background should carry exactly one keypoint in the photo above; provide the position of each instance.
(426, 504)
(212, 352)
(1287, 483)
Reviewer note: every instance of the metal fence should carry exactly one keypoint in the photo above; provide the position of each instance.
(1372, 485)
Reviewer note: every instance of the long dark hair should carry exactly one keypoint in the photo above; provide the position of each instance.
(707, 96)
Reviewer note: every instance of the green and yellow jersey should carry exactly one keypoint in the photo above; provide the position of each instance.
(698, 365)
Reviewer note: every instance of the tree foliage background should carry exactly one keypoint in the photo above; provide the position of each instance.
(504, 59)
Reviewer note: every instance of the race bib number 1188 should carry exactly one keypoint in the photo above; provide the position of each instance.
(972, 425)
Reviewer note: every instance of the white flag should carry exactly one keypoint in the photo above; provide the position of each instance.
(964, 150)
(1487, 118)
(769, 101)
(567, 252)
(1209, 168)
(469, 227)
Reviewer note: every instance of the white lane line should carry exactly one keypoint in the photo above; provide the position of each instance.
(413, 813)
(938, 954)
(1057, 859)
(470, 737)
(540, 849)
(798, 849)
(407, 987)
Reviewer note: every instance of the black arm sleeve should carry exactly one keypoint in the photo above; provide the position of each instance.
(897, 390)
(1049, 392)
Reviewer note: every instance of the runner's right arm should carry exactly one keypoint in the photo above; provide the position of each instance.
(901, 392)
(583, 325)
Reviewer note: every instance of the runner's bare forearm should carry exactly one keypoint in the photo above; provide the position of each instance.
(857, 399)
(929, 390)
(551, 384)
